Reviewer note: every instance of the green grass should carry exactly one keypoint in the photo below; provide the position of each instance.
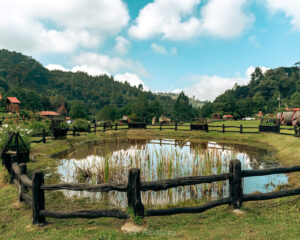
(274, 219)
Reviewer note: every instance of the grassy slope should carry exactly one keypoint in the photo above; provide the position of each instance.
(275, 219)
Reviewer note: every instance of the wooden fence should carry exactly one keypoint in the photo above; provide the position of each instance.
(176, 127)
(134, 187)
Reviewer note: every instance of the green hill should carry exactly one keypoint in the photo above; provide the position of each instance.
(40, 89)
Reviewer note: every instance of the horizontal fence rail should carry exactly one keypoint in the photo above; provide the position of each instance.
(133, 189)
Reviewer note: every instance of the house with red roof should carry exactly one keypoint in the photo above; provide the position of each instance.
(12, 104)
(227, 117)
(49, 114)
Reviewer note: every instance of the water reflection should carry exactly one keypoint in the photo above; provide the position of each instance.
(162, 159)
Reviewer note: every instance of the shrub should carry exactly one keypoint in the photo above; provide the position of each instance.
(81, 125)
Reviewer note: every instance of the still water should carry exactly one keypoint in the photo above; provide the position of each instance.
(162, 159)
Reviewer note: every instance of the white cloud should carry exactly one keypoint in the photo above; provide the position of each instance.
(131, 78)
(182, 20)
(253, 40)
(206, 87)
(290, 8)
(162, 50)
(59, 26)
(251, 70)
(122, 45)
(226, 18)
(95, 64)
(158, 48)
(56, 67)
(209, 87)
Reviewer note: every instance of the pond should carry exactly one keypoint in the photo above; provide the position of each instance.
(163, 159)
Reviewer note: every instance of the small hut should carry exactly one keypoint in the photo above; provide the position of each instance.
(12, 104)
(49, 114)
(227, 117)
(62, 110)
(164, 119)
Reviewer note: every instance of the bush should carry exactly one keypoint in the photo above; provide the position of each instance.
(37, 127)
(81, 125)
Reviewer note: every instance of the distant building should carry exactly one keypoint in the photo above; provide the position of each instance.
(62, 110)
(216, 116)
(12, 104)
(49, 114)
(227, 117)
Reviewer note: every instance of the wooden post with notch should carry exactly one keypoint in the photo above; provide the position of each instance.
(116, 126)
(223, 128)
(95, 127)
(133, 192)
(235, 183)
(38, 197)
(241, 129)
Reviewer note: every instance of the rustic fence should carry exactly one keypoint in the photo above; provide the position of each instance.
(134, 187)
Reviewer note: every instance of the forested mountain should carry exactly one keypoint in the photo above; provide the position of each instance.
(40, 89)
(265, 92)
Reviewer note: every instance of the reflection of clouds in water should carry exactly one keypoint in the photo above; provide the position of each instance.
(182, 157)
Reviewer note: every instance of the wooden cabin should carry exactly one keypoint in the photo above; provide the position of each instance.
(12, 104)
(62, 110)
(49, 114)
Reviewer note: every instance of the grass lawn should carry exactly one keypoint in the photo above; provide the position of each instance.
(273, 219)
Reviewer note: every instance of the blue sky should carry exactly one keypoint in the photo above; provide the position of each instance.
(200, 46)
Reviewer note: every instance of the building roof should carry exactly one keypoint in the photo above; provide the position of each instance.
(12, 100)
(292, 109)
(227, 115)
(49, 113)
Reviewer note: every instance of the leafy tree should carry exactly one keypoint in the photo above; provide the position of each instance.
(183, 110)
(78, 111)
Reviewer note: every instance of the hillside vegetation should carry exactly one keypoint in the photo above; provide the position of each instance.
(264, 93)
(40, 89)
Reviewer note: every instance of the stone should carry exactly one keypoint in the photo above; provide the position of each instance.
(238, 212)
(130, 227)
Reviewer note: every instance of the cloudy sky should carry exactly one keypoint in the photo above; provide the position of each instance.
(201, 46)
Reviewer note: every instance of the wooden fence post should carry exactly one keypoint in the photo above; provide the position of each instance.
(116, 126)
(235, 183)
(104, 126)
(13, 159)
(44, 135)
(23, 170)
(89, 128)
(223, 128)
(73, 131)
(175, 126)
(38, 197)
(160, 126)
(95, 127)
(133, 192)
(241, 129)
